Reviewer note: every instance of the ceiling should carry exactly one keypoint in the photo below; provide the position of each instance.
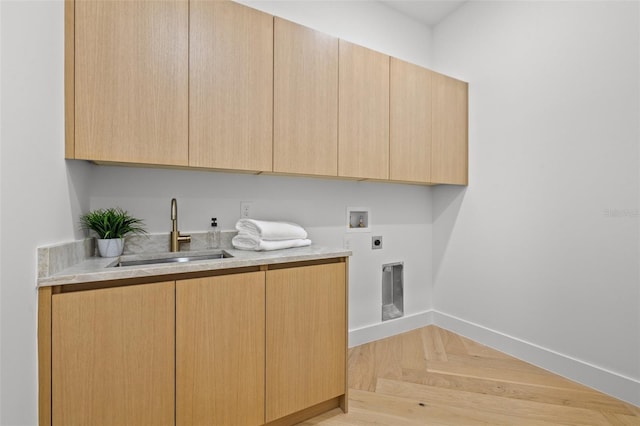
(430, 12)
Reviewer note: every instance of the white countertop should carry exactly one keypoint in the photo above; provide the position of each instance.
(97, 269)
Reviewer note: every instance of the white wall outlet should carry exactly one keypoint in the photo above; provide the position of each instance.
(346, 242)
(245, 209)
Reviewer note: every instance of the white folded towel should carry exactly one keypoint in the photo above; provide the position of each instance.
(272, 231)
(244, 241)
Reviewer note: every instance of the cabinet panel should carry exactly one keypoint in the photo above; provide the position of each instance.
(215, 84)
(305, 138)
(220, 339)
(230, 86)
(306, 345)
(131, 81)
(449, 156)
(363, 132)
(410, 122)
(113, 356)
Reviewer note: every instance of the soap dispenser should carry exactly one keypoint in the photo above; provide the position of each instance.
(214, 235)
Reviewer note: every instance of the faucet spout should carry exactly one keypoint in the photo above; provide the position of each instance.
(174, 209)
(175, 238)
(174, 215)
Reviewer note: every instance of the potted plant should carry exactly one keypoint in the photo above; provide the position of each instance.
(111, 225)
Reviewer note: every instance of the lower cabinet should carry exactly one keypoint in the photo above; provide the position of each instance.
(306, 341)
(250, 348)
(220, 350)
(112, 357)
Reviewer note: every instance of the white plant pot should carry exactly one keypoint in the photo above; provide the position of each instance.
(110, 247)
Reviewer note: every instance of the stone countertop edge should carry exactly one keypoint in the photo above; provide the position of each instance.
(98, 269)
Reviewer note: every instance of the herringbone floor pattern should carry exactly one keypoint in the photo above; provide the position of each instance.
(431, 376)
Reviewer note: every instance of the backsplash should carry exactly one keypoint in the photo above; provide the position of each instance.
(159, 243)
(53, 259)
(56, 258)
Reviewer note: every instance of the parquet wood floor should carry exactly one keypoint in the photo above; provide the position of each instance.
(431, 376)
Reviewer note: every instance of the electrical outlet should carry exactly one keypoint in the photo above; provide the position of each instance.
(346, 242)
(245, 209)
(376, 243)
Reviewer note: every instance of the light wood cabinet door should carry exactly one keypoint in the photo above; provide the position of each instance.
(305, 126)
(230, 86)
(220, 340)
(306, 343)
(410, 122)
(449, 156)
(363, 122)
(113, 356)
(131, 81)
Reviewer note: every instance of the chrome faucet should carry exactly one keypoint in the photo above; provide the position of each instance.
(176, 238)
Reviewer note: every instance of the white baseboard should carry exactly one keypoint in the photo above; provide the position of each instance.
(378, 331)
(609, 382)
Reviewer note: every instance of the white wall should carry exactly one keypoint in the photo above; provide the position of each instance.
(543, 244)
(41, 195)
(400, 213)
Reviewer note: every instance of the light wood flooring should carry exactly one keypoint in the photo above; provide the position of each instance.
(431, 376)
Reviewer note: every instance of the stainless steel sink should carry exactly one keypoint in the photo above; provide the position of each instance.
(177, 258)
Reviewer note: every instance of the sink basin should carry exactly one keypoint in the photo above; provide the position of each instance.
(174, 259)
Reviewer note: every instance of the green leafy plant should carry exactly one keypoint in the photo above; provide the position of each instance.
(112, 223)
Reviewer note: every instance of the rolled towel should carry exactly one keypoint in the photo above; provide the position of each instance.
(272, 231)
(244, 241)
(283, 244)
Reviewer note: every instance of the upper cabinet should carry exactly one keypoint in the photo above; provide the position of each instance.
(305, 115)
(449, 156)
(230, 86)
(410, 123)
(428, 120)
(363, 121)
(218, 85)
(131, 81)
